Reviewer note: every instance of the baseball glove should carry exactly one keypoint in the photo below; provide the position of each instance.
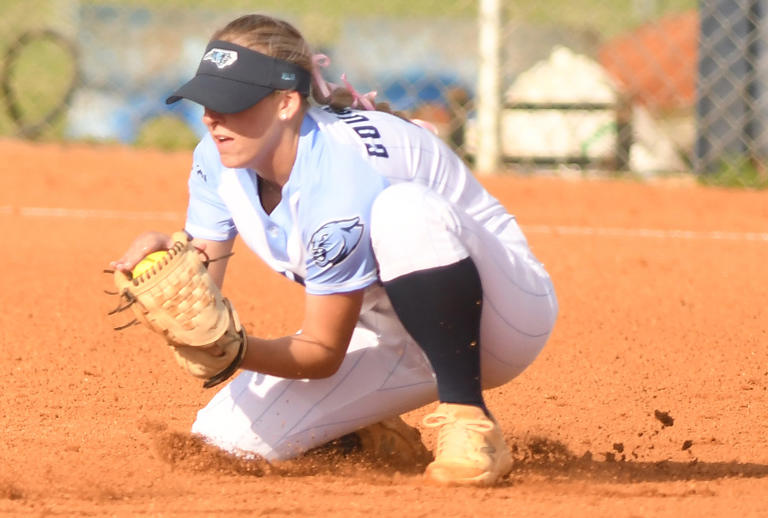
(177, 298)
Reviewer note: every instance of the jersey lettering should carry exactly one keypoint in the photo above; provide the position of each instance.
(377, 150)
(367, 132)
(200, 173)
(353, 118)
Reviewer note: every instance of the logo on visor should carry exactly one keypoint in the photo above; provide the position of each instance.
(220, 57)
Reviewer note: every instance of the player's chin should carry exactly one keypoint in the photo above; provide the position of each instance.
(229, 154)
(232, 161)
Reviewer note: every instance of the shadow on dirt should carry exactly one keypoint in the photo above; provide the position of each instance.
(553, 460)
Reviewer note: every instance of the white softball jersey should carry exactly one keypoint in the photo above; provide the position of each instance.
(370, 197)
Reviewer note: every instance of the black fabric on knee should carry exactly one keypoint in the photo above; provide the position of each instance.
(441, 308)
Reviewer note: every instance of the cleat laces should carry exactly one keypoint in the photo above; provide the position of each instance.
(455, 434)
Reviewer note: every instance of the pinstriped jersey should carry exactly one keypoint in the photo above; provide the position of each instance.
(319, 233)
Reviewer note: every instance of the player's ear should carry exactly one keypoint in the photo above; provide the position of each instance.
(290, 104)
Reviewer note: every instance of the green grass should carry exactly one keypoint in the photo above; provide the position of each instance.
(327, 8)
(737, 173)
(39, 78)
(40, 67)
(167, 133)
(605, 18)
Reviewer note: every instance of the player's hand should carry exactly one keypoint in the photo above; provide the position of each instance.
(177, 298)
(142, 246)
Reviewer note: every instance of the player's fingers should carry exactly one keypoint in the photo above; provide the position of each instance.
(119, 265)
(142, 246)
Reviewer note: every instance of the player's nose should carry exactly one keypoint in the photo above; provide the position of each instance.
(211, 116)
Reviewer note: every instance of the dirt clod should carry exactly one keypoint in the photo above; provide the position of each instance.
(664, 418)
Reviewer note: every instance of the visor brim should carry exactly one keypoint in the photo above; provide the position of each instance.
(220, 94)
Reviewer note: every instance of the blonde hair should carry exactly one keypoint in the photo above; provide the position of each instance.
(279, 39)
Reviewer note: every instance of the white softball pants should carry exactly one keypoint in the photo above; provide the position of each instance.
(385, 373)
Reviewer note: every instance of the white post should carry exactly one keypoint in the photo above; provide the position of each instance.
(488, 156)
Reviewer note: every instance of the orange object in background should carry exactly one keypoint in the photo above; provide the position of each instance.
(656, 63)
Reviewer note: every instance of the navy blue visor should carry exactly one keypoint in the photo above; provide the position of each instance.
(232, 78)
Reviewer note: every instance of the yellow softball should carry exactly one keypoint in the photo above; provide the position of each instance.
(146, 263)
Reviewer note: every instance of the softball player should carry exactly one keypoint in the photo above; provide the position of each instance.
(419, 285)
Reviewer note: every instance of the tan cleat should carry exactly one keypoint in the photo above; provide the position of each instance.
(394, 442)
(470, 447)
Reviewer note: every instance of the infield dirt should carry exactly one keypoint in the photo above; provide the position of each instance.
(651, 399)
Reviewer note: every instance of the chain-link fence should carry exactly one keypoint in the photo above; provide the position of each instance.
(649, 86)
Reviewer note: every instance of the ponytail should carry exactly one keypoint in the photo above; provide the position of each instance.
(340, 97)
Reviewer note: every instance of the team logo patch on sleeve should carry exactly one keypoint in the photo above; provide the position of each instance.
(334, 241)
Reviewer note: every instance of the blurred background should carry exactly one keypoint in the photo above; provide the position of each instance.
(630, 87)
